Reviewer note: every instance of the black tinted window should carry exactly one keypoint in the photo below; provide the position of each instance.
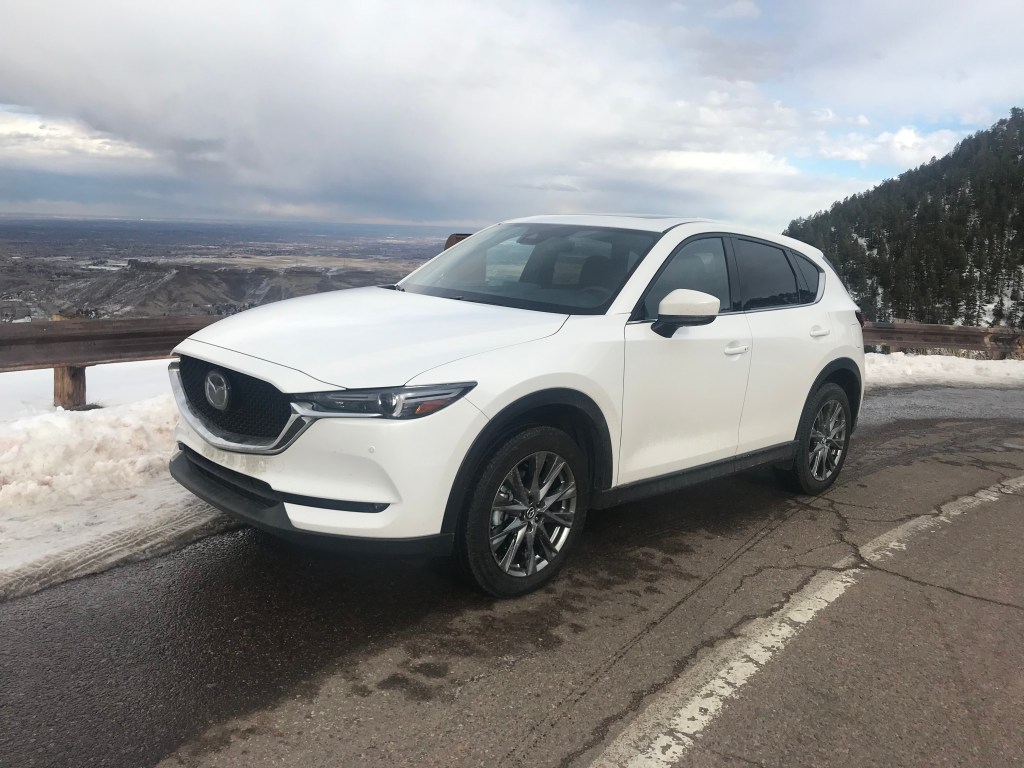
(811, 277)
(766, 279)
(699, 266)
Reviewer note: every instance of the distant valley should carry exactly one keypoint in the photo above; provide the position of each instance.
(66, 268)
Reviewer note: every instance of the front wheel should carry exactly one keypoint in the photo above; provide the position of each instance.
(823, 438)
(525, 513)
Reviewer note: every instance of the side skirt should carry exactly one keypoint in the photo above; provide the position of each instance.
(776, 454)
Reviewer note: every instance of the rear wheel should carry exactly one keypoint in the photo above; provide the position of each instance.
(525, 512)
(823, 438)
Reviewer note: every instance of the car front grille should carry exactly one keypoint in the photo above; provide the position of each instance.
(255, 408)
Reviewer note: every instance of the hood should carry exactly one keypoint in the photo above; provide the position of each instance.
(374, 337)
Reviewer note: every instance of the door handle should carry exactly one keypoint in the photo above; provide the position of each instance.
(736, 349)
(817, 331)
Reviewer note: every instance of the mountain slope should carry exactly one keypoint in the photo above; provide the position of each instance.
(943, 243)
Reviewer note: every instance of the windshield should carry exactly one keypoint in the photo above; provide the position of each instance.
(546, 267)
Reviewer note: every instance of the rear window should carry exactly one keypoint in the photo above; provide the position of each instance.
(766, 279)
(811, 276)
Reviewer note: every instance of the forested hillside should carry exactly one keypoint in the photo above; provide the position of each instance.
(943, 243)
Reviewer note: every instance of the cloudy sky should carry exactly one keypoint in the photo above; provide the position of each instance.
(463, 112)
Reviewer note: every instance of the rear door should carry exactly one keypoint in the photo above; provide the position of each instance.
(790, 332)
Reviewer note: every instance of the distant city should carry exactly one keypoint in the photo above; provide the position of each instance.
(88, 268)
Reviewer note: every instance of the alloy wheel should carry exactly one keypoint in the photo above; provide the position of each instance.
(532, 514)
(827, 440)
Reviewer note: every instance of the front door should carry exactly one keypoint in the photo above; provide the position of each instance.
(683, 396)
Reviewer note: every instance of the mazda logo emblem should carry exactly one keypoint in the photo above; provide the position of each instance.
(218, 390)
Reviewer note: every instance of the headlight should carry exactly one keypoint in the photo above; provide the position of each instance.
(390, 403)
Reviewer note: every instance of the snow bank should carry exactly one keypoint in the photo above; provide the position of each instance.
(902, 370)
(41, 546)
(81, 491)
(75, 455)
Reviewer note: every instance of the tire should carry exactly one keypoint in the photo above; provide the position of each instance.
(823, 440)
(515, 536)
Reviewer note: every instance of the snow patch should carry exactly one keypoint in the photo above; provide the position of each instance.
(902, 370)
(52, 544)
(29, 393)
(74, 455)
(81, 491)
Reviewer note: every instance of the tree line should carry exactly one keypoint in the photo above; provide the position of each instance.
(942, 243)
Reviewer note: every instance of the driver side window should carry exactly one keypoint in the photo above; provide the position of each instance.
(699, 266)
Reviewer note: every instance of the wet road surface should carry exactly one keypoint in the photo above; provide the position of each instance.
(921, 665)
(240, 650)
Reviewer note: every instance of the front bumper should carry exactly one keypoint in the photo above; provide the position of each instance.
(365, 478)
(257, 504)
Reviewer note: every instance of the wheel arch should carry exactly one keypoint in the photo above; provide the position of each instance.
(567, 409)
(846, 373)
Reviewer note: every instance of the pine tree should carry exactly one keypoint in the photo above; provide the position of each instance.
(943, 242)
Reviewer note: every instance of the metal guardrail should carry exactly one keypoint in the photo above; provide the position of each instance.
(997, 342)
(24, 346)
(69, 346)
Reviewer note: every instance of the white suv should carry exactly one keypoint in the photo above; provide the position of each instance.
(540, 368)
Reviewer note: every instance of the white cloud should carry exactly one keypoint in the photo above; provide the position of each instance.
(825, 116)
(683, 161)
(905, 147)
(30, 139)
(461, 110)
(909, 61)
(741, 9)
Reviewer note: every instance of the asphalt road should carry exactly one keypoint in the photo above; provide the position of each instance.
(241, 651)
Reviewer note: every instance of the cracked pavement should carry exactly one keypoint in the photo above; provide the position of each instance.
(919, 665)
(243, 651)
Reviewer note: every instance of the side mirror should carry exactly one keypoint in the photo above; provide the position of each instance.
(684, 307)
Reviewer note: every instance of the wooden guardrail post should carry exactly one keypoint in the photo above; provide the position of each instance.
(1003, 341)
(69, 386)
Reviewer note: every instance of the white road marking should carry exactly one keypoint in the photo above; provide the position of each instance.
(663, 732)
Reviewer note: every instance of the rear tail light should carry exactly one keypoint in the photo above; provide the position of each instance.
(860, 317)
